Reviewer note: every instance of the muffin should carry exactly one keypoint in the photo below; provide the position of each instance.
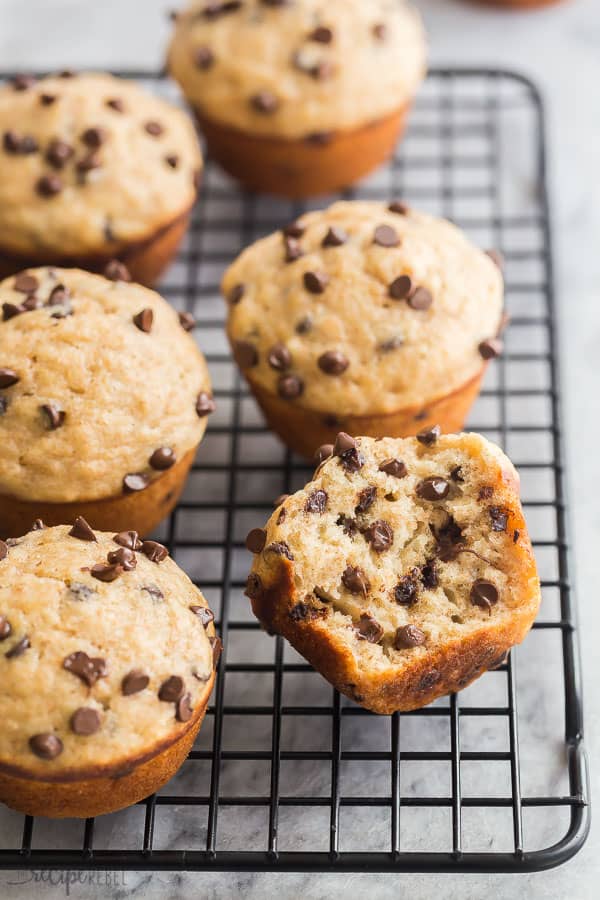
(104, 398)
(374, 319)
(93, 168)
(403, 570)
(105, 681)
(299, 98)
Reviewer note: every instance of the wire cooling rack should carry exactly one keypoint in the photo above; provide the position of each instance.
(287, 774)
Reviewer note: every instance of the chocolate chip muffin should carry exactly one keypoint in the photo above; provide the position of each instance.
(403, 570)
(104, 398)
(299, 98)
(105, 681)
(375, 319)
(93, 168)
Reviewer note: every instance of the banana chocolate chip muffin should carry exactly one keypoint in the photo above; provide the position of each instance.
(299, 98)
(104, 398)
(93, 168)
(374, 319)
(107, 659)
(403, 570)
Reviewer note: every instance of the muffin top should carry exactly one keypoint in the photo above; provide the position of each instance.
(99, 382)
(88, 162)
(363, 308)
(113, 662)
(298, 69)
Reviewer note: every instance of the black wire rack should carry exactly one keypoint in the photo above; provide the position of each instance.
(287, 774)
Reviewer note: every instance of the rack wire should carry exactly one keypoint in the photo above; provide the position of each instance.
(286, 774)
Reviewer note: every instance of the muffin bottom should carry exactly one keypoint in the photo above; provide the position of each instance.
(86, 794)
(139, 511)
(303, 167)
(146, 260)
(304, 430)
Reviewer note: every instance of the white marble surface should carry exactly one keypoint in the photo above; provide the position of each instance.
(560, 48)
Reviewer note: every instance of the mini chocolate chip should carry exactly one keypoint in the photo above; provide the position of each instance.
(355, 580)
(46, 745)
(316, 502)
(163, 458)
(429, 436)
(289, 387)
(333, 362)
(172, 160)
(184, 709)
(399, 208)
(279, 357)
(153, 591)
(8, 377)
(154, 551)
(10, 310)
(82, 530)
(94, 137)
(293, 249)
(5, 628)
(429, 575)
(59, 153)
(366, 499)
(304, 325)
(134, 682)
(25, 283)
(172, 689)
(19, 648)
(236, 293)
(280, 548)
(58, 296)
(516, 535)
(143, 320)
(129, 539)
(323, 453)
(401, 287)
(490, 348)
(49, 185)
(203, 57)
(123, 557)
(264, 102)
(246, 354)
(369, 629)
(153, 128)
(55, 417)
(90, 161)
(335, 237)
(87, 668)
(254, 586)
(187, 321)
(106, 572)
(433, 488)
(282, 515)
(456, 474)
(205, 405)
(407, 590)
(394, 467)
(81, 592)
(484, 594)
(116, 104)
(85, 721)
(217, 649)
(316, 282)
(386, 236)
(205, 614)
(390, 344)
(380, 33)
(420, 299)
(256, 540)
(499, 518)
(408, 636)
(135, 481)
(321, 34)
(379, 535)
(496, 257)
(449, 540)
(115, 270)
(66, 73)
(485, 492)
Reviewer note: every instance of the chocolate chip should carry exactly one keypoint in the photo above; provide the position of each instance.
(187, 321)
(401, 287)
(116, 104)
(490, 348)
(380, 33)
(89, 162)
(81, 592)
(184, 709)
(16, 143)
(333, 362)
(172, 160)
(355, 580)
(55, 417)
(254, 586)
(116, 271)
(343, 443)
(163, 458)
(350, 526)
(9, 311)
(420, 299)
(449, 540)
(135, 481)
(379, 535)
(23, 82)
(123, 557)
(390, 344)
(281, 499)
(347, 449)
(143, 320)
(59, 153)
(129, 539)
(94, 137)
(316, 282)
(316, 502)
(429, 575)
(49, 185)
(335, 237)
(82, 530)
(264, 102)
(58, 296)
(85, 721)
(66, 73)
(406, 592)
(172, 689)
(256, 540)
(8, 377)
(429, 436)
(456, 474)
(5, 628)
(289, 387)
(87, 668)
(205, 614)
(25, 283)
(516, 535)
(154, 551)
(153, 591)
(134, 682)
(3, 405)
(499, 518)
(496, 257)
(485, 492)
(386, 236)
(366, 499)
(323, 453)
(279, 357)
(217, 649)
(19, 648)
(399, 208)
(214, 9)
(300, 612)
(106, 573)
(245, 354)
(369, 629)
(203, 57)
(321, 34)
(484, 594)
(236, 293)
(280, 548)
(394, 467)
(304, 325)
(319, 138)
(408, 636)
(433, 488)
(46, 745)
(205, 405)
(153, 128)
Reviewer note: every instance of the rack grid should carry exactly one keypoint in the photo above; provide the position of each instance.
(286, 774)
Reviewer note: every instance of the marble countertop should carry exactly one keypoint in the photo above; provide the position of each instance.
(559, 48)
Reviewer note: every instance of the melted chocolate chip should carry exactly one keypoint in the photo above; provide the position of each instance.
(155, 552)
(408, 636)
(394, 467)
(449, 540)
(355, 580)
(205, 614)
(88, 669)
(369, 629)
(485, 492)
(433, 488)
(106, 573)
(172, 689)
(499, 518)
(254, 586)
(256, 540)
(379, 535)
(123, 557)
(81, 592)
(134, 682)
(279, 357)
(316, 502)
(366, 499)
(335, 237)
(129, 539)
(429, 436)
(19, 648)
(143, 320)
(315, 282)
(163, 458)
(82, 530)
(429, 575)
(246, 354)
(428, 680)
(386, 236)
(46, 745)
(289, 387)
(490, 348)
(407, 590)
(184, 709)
(484, 594)
(85, 721)
(135, 481)
(280, 548)
(55, 417)
(456, 474)
(205, 405)
(333, 362)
